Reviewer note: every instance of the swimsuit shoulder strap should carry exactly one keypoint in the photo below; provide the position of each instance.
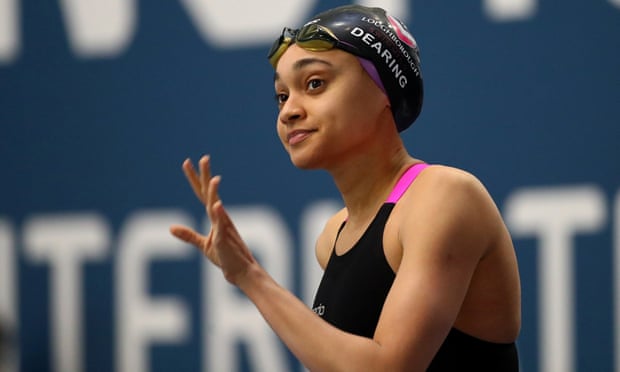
(405, 181)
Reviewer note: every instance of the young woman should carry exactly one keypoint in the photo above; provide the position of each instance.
(420, 271)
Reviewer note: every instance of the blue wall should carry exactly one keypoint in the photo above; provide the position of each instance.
(93, 130)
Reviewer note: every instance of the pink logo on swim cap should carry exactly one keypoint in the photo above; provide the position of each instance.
(402, 32)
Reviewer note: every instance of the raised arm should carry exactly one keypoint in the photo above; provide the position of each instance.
(439, 257)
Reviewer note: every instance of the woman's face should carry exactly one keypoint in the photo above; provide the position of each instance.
(330, 109)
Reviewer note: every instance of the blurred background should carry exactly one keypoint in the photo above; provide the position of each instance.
(102, 100)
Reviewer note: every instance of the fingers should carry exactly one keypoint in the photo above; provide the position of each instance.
(193, 179)
(205, 175)
(213, 198)
(209, 186)
(226, 228)
(200, 181)
(204, 186)
(199, 241)
(187, 235)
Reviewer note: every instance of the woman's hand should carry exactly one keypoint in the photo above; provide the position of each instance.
(223, 245)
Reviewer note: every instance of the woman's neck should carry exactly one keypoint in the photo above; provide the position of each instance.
(366, 182)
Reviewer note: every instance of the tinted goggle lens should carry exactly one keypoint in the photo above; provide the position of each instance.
(280, 45)
(313, 37)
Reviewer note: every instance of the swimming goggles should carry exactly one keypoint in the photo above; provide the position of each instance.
(312, 37)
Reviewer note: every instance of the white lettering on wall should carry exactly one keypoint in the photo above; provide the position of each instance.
(555, 215)
(398, 8)
(65, 242)
(248, 22)
(105, 28)
(141, 319)
(99, 28)
(231, 318)
(9, 26)
(8, 299)
(510, 10)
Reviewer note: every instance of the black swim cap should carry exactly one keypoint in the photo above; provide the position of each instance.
(374, 35)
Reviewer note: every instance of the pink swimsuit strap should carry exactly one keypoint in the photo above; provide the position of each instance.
(405, 181)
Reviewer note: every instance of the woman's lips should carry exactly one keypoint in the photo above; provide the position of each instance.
(298, 136)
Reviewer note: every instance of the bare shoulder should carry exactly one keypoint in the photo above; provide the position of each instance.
(445, 178)
(445, 185)
(325, 241)
(451, 202)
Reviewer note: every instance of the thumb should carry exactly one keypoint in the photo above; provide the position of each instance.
(186, 234)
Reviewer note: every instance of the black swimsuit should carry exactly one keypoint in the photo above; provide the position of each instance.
(355, 285)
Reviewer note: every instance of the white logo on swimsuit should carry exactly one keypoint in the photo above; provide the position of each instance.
(319, 310)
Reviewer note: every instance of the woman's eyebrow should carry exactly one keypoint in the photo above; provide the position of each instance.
(298, 65)
(308, 61)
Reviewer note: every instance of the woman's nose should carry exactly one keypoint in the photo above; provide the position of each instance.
(291, 111)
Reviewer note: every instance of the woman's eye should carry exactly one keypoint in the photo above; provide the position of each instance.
(281, 98)
(314, 84)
